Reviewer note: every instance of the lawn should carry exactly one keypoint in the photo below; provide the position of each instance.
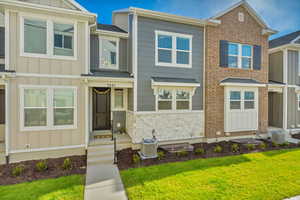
(259, 176)
(64, 188)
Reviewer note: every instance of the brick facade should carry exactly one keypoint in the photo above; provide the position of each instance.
(247, 32)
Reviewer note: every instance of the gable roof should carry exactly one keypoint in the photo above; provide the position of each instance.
(291, 38)
(109, 27)
(251, 11)
(77, 5)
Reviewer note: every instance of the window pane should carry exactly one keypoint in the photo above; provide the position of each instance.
(249, 104)
(35, 117)
(63, 116)
(235, 105)
(164, 105)
(246, 63)
(63, 97)
(108, 53)
(183, 57)
(164, 41)
(119, 99)
(246, 50)
(249, 95)
(165, 94)
(35, 98)
(58, 40)
(235, 95)
(233, 61)
(180, 94)
(233, 49)
(183, 43)
(182, 105)
(66, 33)
(68, 42)
(35, 36)
(165, 56)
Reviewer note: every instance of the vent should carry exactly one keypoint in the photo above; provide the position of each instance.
(241, 17)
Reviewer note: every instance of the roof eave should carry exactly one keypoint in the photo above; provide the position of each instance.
(112, 33)
(281, 47)
(268, 31)
(243, 84)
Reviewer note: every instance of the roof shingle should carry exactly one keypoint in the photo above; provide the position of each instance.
(286, 39)
(109, 27)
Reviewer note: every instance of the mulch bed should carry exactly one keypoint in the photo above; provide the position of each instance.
(31, 173)
(125, 157)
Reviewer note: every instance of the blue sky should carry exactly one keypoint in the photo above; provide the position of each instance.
(281, 15)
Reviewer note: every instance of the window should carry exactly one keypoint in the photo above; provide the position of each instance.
(173, 49)
(249, 101)
(165, 98)
(298, 101)
(182, 100)
(173, 99)
(235, 100)
(46, 108)
(239, 56)
(242, 100)
(63, 39)
(109, 48)
(47, 39)
(119, 99)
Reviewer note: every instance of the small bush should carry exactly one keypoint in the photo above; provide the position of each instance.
(262, 145)
(182, 153)
(67, 165)
(274, 144)
(18, 170)
(199, 151)
(41, 166)
(136, 159)
(250, 147)
(218, 149)
(161, 155)
(235, 148)
(285, 144)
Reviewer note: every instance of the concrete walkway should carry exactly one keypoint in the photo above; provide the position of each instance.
(294, 198)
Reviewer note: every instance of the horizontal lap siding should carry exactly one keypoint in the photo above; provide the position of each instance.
(146, 61)
(276, 66)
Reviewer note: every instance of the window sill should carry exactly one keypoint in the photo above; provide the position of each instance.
(109, 68)
(30, 55)
(172, 65)
(42, 128)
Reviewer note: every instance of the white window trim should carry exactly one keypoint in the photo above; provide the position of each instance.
(242, 99)
(114, 39)
(124, 100)
(174, 49)
(50, 106)
(298, 102)
(50, 36)
(173, 100)
(240, 56)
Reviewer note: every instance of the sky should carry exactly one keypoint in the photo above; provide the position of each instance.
(281, 15)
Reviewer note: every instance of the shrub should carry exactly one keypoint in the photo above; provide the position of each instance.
(67, 165)
(199, 151)
(262, 146)
(274, 144)
(218, 149)
(41, 166)
(18, 170)
(250, 147)
(182, 153)
(136, 159)
(235, 148)
(160, 155)
(285, 144)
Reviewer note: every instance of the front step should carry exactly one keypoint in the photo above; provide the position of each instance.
(103, 154)
(102, 134)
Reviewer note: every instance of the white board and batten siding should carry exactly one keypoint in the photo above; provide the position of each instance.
(242, 119)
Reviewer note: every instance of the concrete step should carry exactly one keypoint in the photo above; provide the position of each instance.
(99, 154)
(97, 148)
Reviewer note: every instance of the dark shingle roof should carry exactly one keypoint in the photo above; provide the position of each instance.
(173, 80)
(109, 74)
(240, 80)
(108, 27)
(286, 39)
(275, 82)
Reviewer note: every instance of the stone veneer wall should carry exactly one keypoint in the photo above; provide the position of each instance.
(247, 32)
(167, 126)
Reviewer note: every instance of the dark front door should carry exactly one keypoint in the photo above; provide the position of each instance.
(101, 108)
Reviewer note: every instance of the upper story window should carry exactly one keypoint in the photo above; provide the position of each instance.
(109, 53)
(47, 38)
(239, 56)
(173, 49)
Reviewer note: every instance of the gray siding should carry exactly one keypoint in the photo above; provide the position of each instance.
(2, 42)
(276, 66)
(146, 61)
(95, 55)
(119, 117)
(293, 113)
(130, 99)
(275, 109)
(293, 68)
(130, 18)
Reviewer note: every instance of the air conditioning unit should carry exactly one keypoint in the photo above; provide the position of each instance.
(278, 136)
(149, 148)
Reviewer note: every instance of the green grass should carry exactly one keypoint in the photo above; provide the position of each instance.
(64, 188)
(260, 176)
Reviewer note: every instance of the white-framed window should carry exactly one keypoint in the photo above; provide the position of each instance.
(240, 56)
(249, 100)
(242, 100)
(169, 99)
(173, 49)
(119, 99)
(48, 108)
(235, 100)
(298, 101)
(109, 52)
(48, 37)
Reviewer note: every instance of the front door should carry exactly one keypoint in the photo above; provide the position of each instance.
(101, 108)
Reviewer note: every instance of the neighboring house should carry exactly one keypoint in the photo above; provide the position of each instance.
(284, 76)
(67, 82)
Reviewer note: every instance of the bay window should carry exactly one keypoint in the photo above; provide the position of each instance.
(46, 108)
(173, 49)
(239, 56)
(173, 99)
(242, 100)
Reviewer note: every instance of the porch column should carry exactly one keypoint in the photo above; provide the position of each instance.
(86, 102)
